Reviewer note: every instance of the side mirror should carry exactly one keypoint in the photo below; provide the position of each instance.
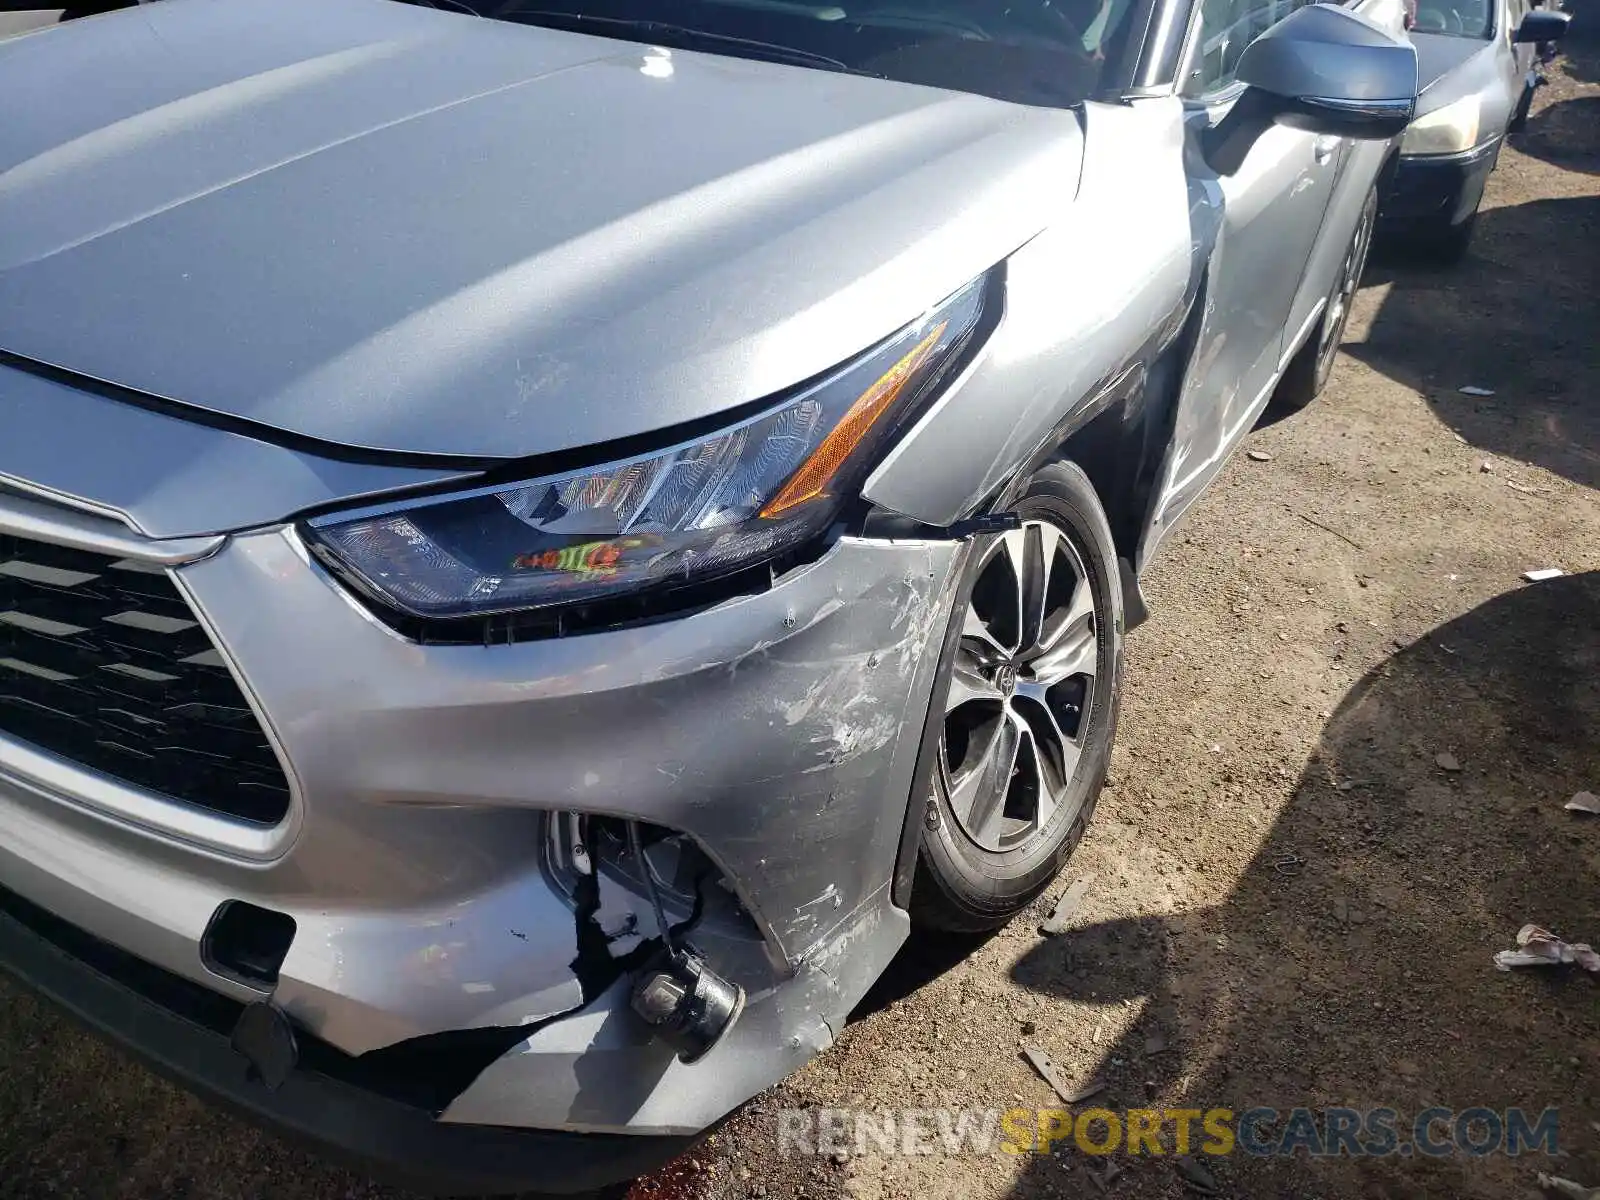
(1543, 25)
(1322, 69)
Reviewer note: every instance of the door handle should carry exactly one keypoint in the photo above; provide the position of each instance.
(1324, 147)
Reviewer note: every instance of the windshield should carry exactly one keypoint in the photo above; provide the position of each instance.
(1049, 52)
(1459, 18)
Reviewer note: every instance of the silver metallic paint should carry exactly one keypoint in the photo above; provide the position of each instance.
(1289, 206)
(1496, 69)
(765, 728)
(768, 727)
(163, 477)
(537, 294)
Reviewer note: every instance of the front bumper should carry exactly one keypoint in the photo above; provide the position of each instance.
(1436, 192)
(779, 731)
(340, 1119)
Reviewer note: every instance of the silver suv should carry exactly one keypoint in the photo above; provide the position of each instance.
(540, 542)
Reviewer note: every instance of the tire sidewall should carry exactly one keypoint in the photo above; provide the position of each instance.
(984, 885)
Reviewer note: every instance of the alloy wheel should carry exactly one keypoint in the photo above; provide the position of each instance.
(1344, 291)
(1022, 688)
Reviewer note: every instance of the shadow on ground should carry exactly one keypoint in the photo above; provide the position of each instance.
(1437, 331)
(1387, 873)
(920, 961)
(1566, 133)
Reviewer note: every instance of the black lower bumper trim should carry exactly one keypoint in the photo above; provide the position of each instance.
(1436, 190)
(383, 1137)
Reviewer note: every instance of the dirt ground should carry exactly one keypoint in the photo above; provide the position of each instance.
(1286, 889)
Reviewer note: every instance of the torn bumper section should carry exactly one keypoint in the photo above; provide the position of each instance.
(453, 854)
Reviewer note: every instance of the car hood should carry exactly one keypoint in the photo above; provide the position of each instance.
(409, 230)
(1449, 67)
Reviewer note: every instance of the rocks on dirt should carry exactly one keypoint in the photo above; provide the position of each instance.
(1258, 455)
(1471, 389)
(1051, 1074)
(1543, 573)
(1565, 1187)
(1060, 918)
(1584, 802)
(1538, 947)
(1448, 762)
(1195, 1176)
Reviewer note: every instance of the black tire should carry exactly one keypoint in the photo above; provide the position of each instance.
(960, 885)
(1309, 370)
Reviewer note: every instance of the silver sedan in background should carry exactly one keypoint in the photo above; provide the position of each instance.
(1477, 74)
(540, 542)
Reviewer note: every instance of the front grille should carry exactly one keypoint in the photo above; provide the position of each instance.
(103, 663)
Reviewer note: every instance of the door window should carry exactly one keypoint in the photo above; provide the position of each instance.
(1226, 28)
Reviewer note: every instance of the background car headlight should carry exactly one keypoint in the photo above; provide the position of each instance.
(1447, 130)
(698, 510)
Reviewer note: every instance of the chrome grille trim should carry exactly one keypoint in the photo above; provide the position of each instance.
(25, 517)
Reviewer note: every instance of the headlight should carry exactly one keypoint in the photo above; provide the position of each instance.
(699, 510)
(1447, 130)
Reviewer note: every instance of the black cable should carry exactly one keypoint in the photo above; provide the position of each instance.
(650, 885)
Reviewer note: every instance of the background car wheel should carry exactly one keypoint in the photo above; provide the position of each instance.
(1308, 372)
(1028, 693)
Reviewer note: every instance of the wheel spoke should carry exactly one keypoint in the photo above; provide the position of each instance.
(979, 795)
(1060, 749)
(1043, 545)
(1066, 624)
(973, 629)
(1015, 546)
(1050, 782)
(1073, 646)
(969, 678)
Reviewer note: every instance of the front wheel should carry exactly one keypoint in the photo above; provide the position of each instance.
(1029, 685)
(1308, 372)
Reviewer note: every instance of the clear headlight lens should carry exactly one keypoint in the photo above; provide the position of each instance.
(689, 513)
(1447, 130)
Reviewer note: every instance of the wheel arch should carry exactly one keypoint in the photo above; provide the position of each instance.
(1120, 439)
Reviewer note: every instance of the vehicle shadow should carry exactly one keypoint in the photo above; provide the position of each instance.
(1436, 331)
(1566, 133)
(921, 960)
(1333, 973)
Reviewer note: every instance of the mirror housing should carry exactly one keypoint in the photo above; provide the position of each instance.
(1542, 25)
(1322, 69)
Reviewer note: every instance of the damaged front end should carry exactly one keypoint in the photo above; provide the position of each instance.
(608, 876)
(470, 924)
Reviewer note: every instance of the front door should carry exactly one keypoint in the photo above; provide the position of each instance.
(1271, 212)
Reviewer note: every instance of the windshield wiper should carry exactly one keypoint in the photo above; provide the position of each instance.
(685, 37)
